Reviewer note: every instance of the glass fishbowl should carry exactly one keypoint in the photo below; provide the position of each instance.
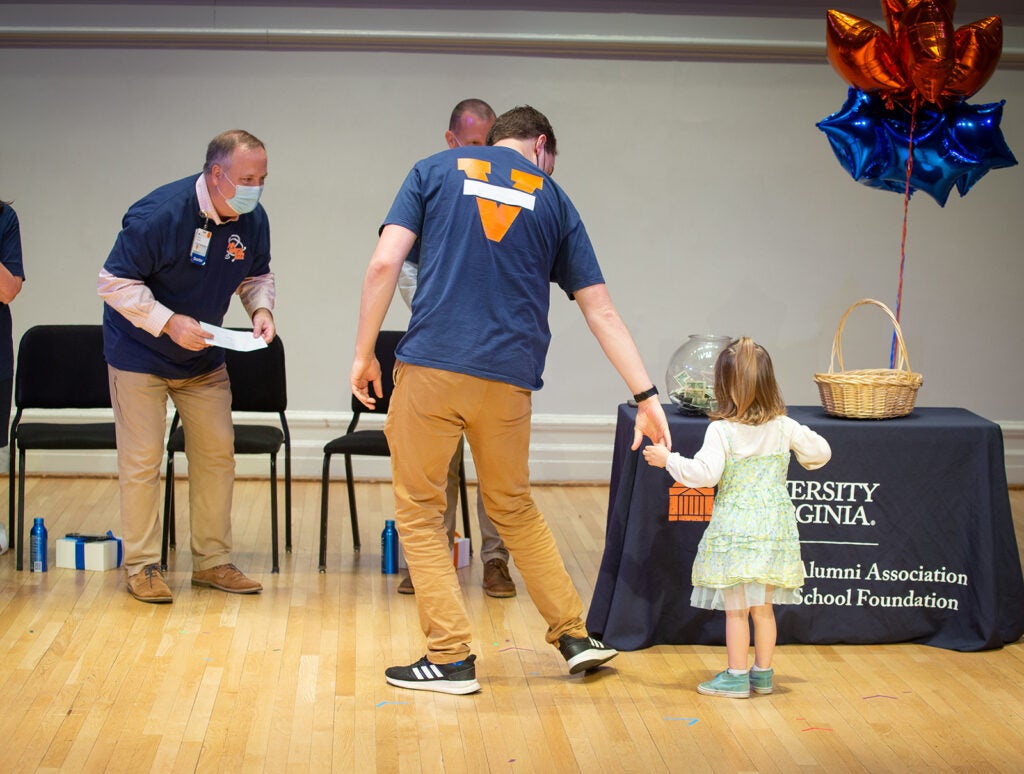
(691, 374)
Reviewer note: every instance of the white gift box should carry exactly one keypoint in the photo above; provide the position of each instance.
(90, 552)
(460, 553)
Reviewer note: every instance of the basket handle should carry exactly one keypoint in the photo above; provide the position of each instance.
(903, 361)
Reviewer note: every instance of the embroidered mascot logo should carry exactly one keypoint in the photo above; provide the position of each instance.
(236, 250)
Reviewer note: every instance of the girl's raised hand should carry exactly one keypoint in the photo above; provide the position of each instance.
(656, 454)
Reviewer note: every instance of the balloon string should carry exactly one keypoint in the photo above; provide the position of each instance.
(903, 237)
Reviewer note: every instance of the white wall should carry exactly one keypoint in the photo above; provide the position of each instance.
(714, 202)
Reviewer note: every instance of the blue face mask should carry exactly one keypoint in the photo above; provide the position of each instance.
(246, 197)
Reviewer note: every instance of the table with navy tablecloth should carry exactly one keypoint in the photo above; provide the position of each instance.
(906, 536)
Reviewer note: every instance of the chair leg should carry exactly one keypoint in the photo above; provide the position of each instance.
(325, 481)
(20, 536)
(166, 541)
(275, 566)
(12, 451)
(288, 498)
(464, 495)
(352, 501)
(172, 529)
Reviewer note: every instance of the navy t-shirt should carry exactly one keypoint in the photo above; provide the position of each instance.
(494, 233)
(10, 256)
(155, 246)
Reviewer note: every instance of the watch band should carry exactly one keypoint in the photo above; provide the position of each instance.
(650, 393)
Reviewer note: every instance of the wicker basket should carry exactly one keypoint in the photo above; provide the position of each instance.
(873, 393)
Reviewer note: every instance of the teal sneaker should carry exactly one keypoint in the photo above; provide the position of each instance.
(725, 684)
(761, 681)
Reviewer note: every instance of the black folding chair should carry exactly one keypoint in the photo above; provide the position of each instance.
(59, 367)
(371, 443)
(258, 385)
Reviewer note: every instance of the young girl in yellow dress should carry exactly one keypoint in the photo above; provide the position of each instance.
(749, 556)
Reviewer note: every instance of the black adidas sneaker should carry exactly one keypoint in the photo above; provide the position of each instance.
(584, 653)
(457, 678)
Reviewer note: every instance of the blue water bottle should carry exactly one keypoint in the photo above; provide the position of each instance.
(389, 548)
(37, 546)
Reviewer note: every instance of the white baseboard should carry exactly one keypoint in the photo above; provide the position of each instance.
(564, 448)
(1013, 446)
(576, 448)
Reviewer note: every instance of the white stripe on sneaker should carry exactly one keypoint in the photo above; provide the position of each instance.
(428, 672)
(594, 656)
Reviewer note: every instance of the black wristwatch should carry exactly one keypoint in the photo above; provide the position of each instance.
(649, 393)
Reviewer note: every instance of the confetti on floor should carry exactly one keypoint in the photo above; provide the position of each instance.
(814, 728)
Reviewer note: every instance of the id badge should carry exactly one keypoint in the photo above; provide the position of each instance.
(200, 244)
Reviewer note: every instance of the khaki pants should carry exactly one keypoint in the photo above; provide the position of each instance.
(140, 416)
(491, 546)
(430, 409)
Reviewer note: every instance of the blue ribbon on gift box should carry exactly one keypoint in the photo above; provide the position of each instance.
(120, 548)
(81, 540)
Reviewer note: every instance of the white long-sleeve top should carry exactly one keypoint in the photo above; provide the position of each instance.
(777, 435)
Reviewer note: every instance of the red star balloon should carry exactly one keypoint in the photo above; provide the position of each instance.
(926, 48)
(978, 46)
(922, 58)
(863, 54)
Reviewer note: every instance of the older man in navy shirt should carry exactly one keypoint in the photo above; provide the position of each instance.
(184, 250)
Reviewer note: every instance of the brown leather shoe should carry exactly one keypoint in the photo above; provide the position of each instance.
(497, 581)
(406, 587)
(148, 585)
(226, 577)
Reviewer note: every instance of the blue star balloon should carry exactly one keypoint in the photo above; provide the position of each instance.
(952, 147)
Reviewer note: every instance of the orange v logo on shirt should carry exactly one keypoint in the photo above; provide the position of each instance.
(498, 206)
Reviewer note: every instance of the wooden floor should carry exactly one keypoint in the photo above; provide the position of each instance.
(291, 680)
